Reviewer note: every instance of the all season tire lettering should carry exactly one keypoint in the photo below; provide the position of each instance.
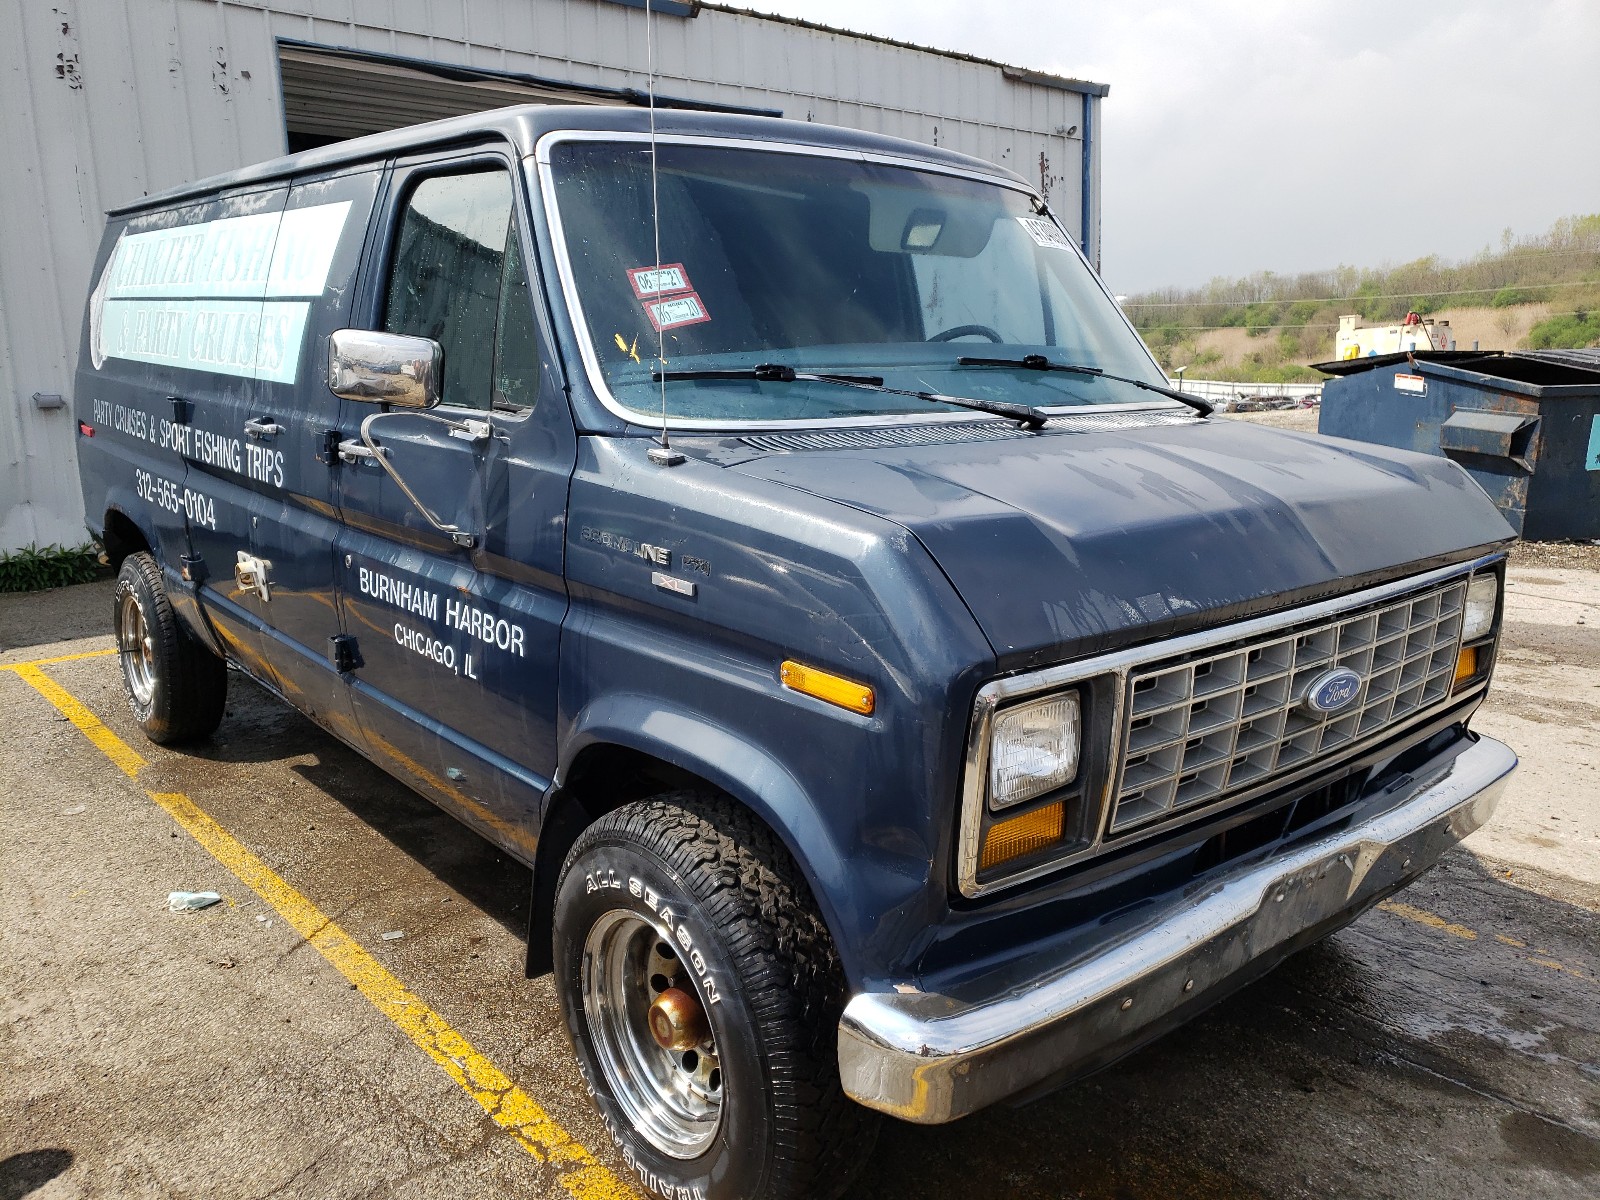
(680, 933)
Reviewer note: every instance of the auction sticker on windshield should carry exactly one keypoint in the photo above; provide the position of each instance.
(659, 281)
(1044, 232)
(674, 311)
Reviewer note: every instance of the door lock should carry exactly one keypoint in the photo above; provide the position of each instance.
(251, 574)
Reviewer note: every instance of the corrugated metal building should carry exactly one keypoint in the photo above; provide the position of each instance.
(102, 101)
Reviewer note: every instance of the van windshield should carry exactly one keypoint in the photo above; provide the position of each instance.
(825, 265)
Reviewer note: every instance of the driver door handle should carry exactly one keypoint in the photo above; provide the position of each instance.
(262, 427)
(353, 449)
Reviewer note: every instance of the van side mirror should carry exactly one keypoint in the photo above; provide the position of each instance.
(384, 368)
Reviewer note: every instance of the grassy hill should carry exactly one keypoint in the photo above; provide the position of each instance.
(1535, 292)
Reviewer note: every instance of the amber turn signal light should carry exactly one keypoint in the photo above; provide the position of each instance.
(1466, 664)
(1019, 836)
(846, 693)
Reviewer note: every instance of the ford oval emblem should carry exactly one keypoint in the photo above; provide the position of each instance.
(1332, 691)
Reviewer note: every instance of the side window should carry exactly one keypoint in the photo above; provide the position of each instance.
(516, 351)
(457, 277)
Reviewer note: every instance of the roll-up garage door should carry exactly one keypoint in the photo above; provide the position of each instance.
(331, 94)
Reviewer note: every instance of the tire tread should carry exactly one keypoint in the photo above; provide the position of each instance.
(191, 692)
(791, 974)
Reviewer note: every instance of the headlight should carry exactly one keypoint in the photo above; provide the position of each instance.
(1033, 749)
(1483, 594)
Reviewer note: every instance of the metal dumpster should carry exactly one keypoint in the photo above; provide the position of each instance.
(1525, 424)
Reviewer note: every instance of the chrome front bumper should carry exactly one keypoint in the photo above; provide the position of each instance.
(930, 1059)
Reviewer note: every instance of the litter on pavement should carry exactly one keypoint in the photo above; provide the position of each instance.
(181, 902)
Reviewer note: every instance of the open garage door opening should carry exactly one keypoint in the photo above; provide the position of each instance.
(332, 94)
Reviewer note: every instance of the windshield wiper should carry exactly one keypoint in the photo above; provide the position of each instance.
(767, 373)
(1038, 362)
(1029, 416)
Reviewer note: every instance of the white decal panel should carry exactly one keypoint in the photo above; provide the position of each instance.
(230, 296)
(230, 337)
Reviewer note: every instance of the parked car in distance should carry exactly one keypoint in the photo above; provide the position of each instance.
(775, 536)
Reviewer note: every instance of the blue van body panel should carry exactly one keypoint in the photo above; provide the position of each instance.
(776, 574)
(1070, 543)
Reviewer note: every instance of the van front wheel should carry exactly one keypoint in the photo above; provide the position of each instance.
(702, 995)
(175, 686)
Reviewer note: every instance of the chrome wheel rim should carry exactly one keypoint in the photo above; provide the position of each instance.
(136, 648)
(672, 1097)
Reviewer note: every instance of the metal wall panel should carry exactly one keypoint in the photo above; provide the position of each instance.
(102, 101)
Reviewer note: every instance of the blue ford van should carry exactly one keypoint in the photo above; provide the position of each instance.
(775, 536)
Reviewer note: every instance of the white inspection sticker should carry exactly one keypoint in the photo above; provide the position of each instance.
(1045, 232)
(1415, 384)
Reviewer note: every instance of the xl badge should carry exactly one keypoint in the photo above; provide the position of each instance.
(1332, 691)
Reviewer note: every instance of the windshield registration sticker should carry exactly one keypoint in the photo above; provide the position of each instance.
(665, 280)
(1044, 232)
(674, 311)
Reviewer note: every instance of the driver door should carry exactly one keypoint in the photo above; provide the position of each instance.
(453, 666)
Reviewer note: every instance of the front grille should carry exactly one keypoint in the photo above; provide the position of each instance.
(1203, 728)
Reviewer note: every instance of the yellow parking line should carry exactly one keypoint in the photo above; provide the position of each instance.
(60, 658)
(581, 1175)
(69, 706)
(1434, 921)
(1423, 917)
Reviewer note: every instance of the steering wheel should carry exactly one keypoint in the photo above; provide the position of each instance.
(983, 331)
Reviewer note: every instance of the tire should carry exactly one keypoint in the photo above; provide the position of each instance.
(174, 685)
(754, 1110)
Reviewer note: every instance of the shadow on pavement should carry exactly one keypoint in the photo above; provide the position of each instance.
(260, 728)
(1392, 1059)
(22, 1174)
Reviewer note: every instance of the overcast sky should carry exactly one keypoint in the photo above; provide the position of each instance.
(1244, 135)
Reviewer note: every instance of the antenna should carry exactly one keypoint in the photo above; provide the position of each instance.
(663, 455)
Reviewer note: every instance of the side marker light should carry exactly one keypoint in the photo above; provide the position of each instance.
(847, 694)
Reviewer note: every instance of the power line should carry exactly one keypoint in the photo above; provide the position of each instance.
(1358, 296)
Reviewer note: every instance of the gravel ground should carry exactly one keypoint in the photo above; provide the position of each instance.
(1301, 420)
(1561, 556)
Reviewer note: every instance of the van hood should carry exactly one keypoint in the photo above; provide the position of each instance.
(1069, 543)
